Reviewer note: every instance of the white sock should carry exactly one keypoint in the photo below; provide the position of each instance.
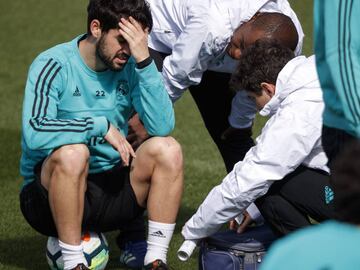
(159, 237)
(72, 255)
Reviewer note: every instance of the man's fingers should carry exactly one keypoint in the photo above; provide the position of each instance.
(128, 27)
(232, 225)
(135, 24)
(130, 24)
(124, 154)
(244, 224)
(120, 144)
(126, 35)
(241, 228)
(131, 150)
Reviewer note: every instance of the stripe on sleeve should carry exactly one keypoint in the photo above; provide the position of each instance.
(37, 84)
(353, 93)
(41, 92)
(67, 129)
(40, 122)
(344, 74)
(48, 90)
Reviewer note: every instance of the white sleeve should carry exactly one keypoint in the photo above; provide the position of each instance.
(286, 140)
(254, 213)
(243, 111)
(190, 55)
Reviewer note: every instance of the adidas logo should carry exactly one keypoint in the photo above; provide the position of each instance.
(329, 195)
(77, 92)
(158, 234)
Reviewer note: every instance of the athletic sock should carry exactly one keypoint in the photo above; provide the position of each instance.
(159, 236)
(72, 255)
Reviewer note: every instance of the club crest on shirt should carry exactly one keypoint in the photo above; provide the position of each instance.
(122, 88)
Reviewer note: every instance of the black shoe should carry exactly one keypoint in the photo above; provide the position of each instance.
(156, 265)
(80, 267)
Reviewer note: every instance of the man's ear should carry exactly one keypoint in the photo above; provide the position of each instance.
(269, 88)
(95, 28)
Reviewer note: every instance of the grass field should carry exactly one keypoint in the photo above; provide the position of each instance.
(29, 27)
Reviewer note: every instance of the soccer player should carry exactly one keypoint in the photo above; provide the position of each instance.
(334, 244)
(285, 173)
(196, 43)
(80, 173)
(337, 50)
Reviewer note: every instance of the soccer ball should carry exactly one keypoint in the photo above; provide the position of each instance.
(96, 251)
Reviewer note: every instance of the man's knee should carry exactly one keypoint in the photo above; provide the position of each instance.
(168, 151)
(165, 151)
(71, 159)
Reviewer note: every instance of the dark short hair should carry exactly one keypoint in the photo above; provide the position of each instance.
(277, 26)
(109, 13)
(260, 62)
(346, 183)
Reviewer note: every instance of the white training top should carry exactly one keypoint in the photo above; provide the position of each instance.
(291, 137)
(196, 34)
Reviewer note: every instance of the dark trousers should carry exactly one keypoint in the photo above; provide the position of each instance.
(333, 141)
(213, 98)
(291, 202)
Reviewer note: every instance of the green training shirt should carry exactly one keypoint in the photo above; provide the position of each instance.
(66, 102)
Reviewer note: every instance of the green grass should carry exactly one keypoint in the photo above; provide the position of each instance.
(31, 26)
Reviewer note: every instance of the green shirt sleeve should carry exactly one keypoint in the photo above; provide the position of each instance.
(42, 128)
(152, 102)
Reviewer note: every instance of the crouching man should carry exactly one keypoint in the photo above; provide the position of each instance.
(80, 172)
(285, 173)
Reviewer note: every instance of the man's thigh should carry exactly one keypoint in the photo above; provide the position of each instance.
(110, 202)
(309, 191)
(290, 202)
(34, 205)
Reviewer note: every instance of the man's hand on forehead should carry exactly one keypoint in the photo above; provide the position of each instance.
(136, 36)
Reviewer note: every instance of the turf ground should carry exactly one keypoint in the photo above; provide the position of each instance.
(31, 26)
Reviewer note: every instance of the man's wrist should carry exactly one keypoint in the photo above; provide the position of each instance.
(144, 63)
